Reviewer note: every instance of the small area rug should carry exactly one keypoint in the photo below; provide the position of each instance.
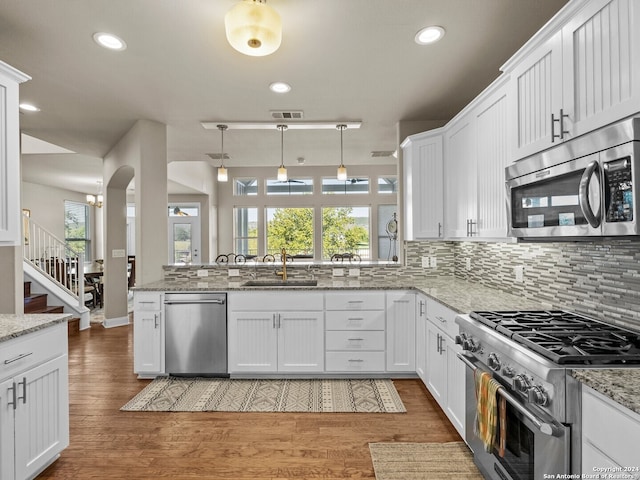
(178, 394)
(422, 461)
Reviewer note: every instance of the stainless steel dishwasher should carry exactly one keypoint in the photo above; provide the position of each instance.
(196, 334)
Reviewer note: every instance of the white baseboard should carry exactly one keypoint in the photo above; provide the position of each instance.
(115, 322)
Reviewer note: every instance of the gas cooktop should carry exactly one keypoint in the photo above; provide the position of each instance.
(566, 337)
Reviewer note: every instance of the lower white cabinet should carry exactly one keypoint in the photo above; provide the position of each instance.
(148, 334)
(610, 435)
(401, 330)
(444, 371)
(34, 394)
(286, 334)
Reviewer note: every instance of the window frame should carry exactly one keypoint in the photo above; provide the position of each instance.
(87, 239)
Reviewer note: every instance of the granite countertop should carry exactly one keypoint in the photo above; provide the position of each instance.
(619, 384)
(460, 295)
(12, 325)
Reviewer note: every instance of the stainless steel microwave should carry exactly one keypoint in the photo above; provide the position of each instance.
(582, 188)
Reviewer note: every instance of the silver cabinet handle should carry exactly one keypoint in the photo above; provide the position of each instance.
(355, 339)
(355, 319)
(443, 320)
(24, 390)
(19, 357)
(560, 120)
(274, 320)
(421, 305)
(13, 396)
(155, 320)
(438, 342)
(439, 229)
(355, 301)
(356, 360)
(279, 320)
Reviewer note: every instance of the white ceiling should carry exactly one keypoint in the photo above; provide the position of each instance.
(346, 60)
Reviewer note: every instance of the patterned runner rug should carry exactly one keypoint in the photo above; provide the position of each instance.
(177, 394)
(423, 461)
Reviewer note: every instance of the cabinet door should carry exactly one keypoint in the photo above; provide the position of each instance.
(6, 430)
(493, 154)
(423, 192)
(401, 328)
(148, 342)
(436, 364)
(536, 85)
(461, 193)
(41, 416)
(253, 342)
(300, 341)
(455, 385)
(421, 337)
(601, 65)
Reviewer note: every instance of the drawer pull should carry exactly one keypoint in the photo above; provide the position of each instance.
(356, 339)
(355, 301)
(19, 357)
(147, 301)
(355, 319)
(443, 320)
(356, 360)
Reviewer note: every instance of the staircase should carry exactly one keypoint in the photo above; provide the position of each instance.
(37, 303)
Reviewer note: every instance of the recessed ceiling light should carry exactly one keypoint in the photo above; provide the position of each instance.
(29, 108)
(429, 35)
(110, 41)
(280, 87)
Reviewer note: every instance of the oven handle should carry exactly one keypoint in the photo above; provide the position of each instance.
(548, 428)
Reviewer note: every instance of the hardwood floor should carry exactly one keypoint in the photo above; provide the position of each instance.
(109, 444)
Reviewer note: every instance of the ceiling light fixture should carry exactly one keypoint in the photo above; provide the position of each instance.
(96, 200)
(253, 28)
(342, 170)
(429, 35)
(282, 171)
(110, 41)
(280, 87)
(222, 171)
(28, 107)
(210, 125)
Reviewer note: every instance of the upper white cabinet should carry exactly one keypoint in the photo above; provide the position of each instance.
(423, 185)
(10, 224)
(581, 76)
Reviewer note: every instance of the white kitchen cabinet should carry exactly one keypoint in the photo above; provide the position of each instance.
(276, 332)
(34, 391)
(401, 330)
(610, 434)
(355, 332)
(148, 334)
(421, 337)
(423, 185)
(580, 77)
(445, 372)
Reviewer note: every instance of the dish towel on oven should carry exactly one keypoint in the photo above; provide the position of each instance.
(487, 405)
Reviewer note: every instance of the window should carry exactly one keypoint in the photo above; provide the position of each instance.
(345, 230)
(387, 241)
(245, 228)
(290, 228)
(245, 186)
(183, 211)
(351, 185)
(76, 228)
(300, 186)
(388, 184)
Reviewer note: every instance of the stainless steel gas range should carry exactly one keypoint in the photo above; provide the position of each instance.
(530, 353)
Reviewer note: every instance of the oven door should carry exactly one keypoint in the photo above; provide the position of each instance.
(529, 452)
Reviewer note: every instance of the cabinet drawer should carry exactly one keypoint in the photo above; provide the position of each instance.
(147, 301)
(279, 301)
(355, 361)
(355, 300)
(24, 352)
(443, 317)
(367, 320)
(355, 340)
(602, 424)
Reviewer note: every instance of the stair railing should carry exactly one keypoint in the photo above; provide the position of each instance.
(53, 257)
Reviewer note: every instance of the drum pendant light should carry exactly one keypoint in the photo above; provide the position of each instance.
(253, 28)
(282, 171)
(222, 171)
(342, 170)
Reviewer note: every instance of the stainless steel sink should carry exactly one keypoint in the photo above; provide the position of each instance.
(280, 283)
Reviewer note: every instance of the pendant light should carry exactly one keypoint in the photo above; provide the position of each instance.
(342, 170)
(282, 171)
(222, 171)
(253, 28)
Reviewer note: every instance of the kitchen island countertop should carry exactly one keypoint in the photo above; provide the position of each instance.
(461, 296)
(15, 325)
(619, 384)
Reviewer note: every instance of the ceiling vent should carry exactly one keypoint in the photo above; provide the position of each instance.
(216, 156)
(287, 114)
(381, 153)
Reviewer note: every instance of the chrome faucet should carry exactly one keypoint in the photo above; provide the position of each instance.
(283, 273)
